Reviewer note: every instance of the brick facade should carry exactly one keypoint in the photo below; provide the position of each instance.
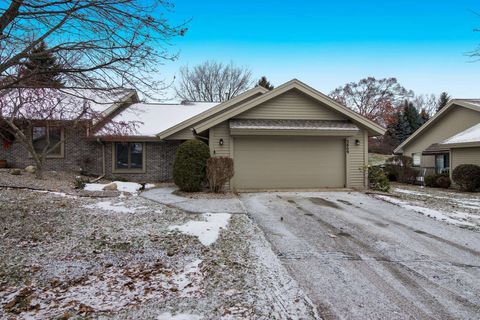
(80, 152)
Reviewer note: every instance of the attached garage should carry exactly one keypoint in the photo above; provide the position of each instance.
(292, 137)
(283, 162)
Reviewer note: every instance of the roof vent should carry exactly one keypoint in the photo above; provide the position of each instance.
(187, 103)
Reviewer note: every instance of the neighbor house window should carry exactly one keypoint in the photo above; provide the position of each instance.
(442, 162)
(129, 156)
(48, 138)
(417, 158)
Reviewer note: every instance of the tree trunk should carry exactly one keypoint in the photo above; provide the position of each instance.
(39, 170)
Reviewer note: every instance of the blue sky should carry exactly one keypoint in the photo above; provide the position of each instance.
(326, 44)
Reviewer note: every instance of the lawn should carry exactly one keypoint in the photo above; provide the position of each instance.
(68, 254)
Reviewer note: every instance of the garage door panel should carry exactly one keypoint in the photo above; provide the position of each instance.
(289, 162)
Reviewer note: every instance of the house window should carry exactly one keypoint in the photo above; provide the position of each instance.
(129, 156)
(417, 159)
(48, 138)
(442, 162)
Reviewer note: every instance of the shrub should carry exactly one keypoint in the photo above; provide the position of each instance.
(377, 180)
(439, 180)
(399, 168)
(79, 182)
(189, 165)
(444, 181)
(467, 177)
(219, 172)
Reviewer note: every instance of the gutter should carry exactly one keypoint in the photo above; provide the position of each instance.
(195, 134)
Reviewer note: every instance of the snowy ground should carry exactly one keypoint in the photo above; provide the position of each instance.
(450, 206)
(65, 255)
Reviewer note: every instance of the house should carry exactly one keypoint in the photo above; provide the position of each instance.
(446, 140)
(292, 137)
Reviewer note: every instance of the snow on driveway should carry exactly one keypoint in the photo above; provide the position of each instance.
(358, 257)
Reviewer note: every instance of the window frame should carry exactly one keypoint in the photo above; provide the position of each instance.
(129, 170)
(61, 155)
(419, 159)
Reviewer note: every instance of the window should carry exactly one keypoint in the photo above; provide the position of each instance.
(49, 137)
(129, 156)
(442, 162)
(417, 159)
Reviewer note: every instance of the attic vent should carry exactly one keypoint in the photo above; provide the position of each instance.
(186, 102)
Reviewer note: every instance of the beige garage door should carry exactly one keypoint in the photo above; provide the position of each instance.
(289, 162)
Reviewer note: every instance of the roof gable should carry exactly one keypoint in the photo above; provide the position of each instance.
(211, 112)
(372, 127)
(471, 104)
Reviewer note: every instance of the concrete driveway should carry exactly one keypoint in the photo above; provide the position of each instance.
(361, 258)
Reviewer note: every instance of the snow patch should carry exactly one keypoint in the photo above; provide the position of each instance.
(150, 186)
(178, 316)
(208, 230)
(130, 187)
(108, 206)
(450, 217)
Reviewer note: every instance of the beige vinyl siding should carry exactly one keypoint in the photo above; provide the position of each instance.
(220, 131)
(185, 134)
(465, 156)
(455, 121)
(291, 105)
(357, 159)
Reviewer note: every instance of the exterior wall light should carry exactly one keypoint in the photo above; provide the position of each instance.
(220, 142)
(357, 142)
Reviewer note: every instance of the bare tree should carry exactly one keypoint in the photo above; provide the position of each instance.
(376, 99)
(213, 82)
(426, 103)
(103, 46)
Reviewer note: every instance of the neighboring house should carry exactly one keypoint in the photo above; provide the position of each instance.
(292, 137)
(448, 139)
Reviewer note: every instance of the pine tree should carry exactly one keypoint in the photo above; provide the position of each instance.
(41, 69)
(443, 100)
(412, 117)
(263, 82)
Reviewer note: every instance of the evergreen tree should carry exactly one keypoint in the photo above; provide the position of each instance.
(442, 101)
(41, 69)
(411, 117)
(263, 82)
(424, 115)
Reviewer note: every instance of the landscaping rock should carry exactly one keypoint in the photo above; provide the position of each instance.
(110, 187)
(31, 169)
(16, 172)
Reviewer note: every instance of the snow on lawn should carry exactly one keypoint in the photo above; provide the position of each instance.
(108, 206)
(178, 316)
(458, 218)
(112, 289)
(465, 202)
(130, 187)
(208, 230)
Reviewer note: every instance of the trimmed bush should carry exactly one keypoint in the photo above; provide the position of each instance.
(377, 180)
(189, 166)
(467, 177)
(444, 181)
(439, 180)
(219, 172)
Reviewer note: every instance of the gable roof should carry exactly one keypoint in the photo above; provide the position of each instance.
(373, 128)
(469, 137)
(219, 107)
(473, 104)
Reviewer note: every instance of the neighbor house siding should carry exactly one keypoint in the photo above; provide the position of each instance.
(185, 134)
(465, 156)
(291, 105)
(455, 121)
(357, 160)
